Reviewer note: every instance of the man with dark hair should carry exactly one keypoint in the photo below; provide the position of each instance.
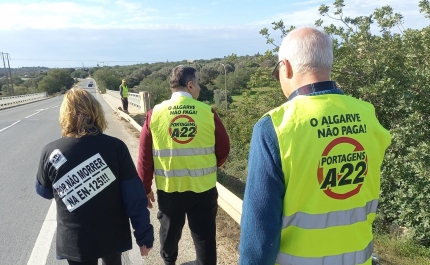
(182, 142)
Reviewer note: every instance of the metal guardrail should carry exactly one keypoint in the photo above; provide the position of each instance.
(5, 101)
(133, 98)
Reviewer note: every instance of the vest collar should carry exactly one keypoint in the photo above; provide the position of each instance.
(181, 94)
(313, 88)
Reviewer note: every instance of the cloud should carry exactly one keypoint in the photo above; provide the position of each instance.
(98, 1)
(302, 17)
(352, 8)
(309, 2)
(47, 15)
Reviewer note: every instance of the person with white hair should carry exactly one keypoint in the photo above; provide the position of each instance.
(314, 166)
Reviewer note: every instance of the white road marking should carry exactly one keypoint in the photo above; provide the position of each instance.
(32, 114)
(9, 126)
(41, 248)
(40, 110)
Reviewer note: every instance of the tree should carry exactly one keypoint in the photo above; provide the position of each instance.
(137, 75)
(17, 80)
(56, 80)
(79, 74)
(208, 73)
(158, 89)
(219, 97)
(107, 79)
(205, 93)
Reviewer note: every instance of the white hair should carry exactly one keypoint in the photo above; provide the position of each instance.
(308, 53)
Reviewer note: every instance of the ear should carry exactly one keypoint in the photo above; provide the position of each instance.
(190, 86)
(288, 69)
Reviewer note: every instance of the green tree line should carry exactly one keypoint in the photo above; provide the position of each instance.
(155, 77)
(36, 80)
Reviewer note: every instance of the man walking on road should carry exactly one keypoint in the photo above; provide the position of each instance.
(123, 92)
(182, 143)
(314, 166)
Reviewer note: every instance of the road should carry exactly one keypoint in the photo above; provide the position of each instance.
(24, 130)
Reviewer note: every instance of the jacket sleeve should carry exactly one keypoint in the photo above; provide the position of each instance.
(145, 161)
(263, 201)
(43, 183)
(120, 91)
(222, 141)
(135, 202)
(134, 199)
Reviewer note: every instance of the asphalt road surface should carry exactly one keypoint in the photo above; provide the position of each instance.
(24, 130)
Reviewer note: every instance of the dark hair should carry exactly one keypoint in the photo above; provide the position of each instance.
(181, 75)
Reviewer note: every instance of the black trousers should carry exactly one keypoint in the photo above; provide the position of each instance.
(124, 103)
(201, 210)
(113, 259)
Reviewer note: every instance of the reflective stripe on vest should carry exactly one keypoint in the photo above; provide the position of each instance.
(185, 172)
(124, 91)
(183, 145)
(183, 152)
(351, 258)
(332, 178)
(336, 218)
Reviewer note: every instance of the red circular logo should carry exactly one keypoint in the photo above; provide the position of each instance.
(183, 129)
(340, 172)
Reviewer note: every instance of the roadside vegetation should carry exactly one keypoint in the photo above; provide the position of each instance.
(29, 80)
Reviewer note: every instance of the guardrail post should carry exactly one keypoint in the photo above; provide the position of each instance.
(144, 101)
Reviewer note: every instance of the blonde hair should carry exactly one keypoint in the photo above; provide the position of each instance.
(81, 114)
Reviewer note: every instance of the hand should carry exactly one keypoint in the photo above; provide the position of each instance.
(151, 199)
(144, 250)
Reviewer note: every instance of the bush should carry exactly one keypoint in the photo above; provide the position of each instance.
(220, 99)
(55, 80)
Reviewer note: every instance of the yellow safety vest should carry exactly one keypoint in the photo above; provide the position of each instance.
(331, 148)
(124, 91)
(183, 145)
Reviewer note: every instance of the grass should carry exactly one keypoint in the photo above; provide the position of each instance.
(227, 237)
(239, 98)
(395, 251)
(391, 251)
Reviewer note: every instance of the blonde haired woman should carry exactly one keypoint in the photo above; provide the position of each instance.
(95, 185)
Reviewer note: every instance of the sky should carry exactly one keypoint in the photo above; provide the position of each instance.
(61, 33)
